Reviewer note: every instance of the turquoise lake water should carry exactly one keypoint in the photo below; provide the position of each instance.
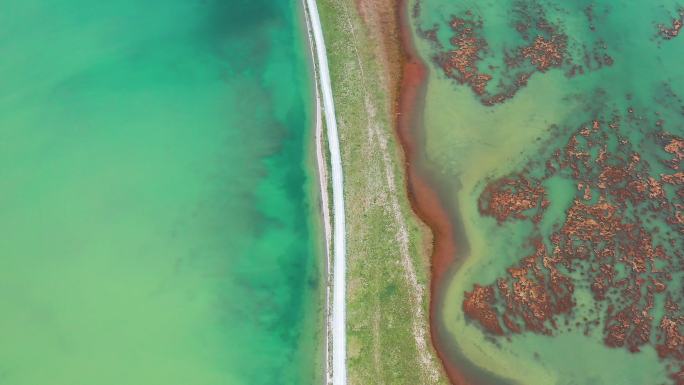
(553, 96)
(155, 194)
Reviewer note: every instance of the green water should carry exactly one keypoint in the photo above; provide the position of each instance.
(155, 198)
(469, 144)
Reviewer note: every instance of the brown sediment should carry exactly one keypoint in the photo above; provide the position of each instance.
(424, 200)
(537, 292)
(406, 76)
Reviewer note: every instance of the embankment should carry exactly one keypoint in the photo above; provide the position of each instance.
(424, 199)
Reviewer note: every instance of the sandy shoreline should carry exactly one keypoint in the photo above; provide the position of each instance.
(406, 78)
(423, 198)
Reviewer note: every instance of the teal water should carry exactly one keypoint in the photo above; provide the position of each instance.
(155, 198)
(571, 275)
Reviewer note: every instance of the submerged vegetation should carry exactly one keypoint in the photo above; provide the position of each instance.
(555, 130)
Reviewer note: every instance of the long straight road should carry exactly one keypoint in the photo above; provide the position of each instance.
(339, 332)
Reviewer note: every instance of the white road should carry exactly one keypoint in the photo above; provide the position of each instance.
(339, 331)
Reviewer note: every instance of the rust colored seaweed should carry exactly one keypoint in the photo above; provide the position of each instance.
(606, 241)
(510, 197)
(496, 75)
(669, 33)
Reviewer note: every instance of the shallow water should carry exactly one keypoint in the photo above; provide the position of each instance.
(473, 140)
(155, 198)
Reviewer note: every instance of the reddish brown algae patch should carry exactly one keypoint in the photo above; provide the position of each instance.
(610, 239)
